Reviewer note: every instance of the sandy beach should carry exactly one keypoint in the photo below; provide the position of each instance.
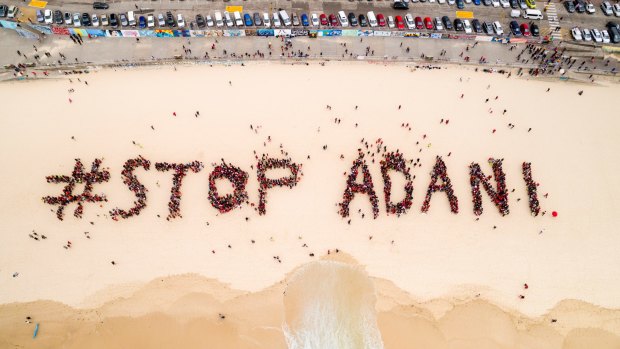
(435, 279)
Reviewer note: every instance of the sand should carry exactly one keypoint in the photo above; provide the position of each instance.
(435, 273)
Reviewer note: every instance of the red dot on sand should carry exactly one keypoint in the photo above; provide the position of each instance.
(554, 213)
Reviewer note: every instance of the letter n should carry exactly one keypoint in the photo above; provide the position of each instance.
(499, 196)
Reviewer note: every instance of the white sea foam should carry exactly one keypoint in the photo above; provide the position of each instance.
(331, 305)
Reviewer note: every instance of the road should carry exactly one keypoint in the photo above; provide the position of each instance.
(555, 13)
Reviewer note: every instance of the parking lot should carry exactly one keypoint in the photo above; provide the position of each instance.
(557, 22)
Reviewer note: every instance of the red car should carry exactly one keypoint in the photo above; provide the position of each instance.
(400, 24)
(525, 30)
(418, 23)
(333, 20)
(381, 20)
(323, 19)
(428, 23)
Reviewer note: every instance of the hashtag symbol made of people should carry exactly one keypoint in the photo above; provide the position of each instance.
(78, 176)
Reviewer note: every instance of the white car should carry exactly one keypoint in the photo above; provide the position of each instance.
(576, 33)
(587, 36)
(504, 3)
(495, 3)
(441, 1)
(104, 20)
(266, 20)
(616, 9)
(161, 20)
(451, 2)
(344, 22)
(180, 21)
(209, 21)
(606, 8)
(438, 23)
(48, 17)
(497, 27)
(467, 26)
(596, 35)
(150, 21)
(390, 22)
(409, 21)
(238, 20)
(276, 20)
(314, 19)
(590, 9)
(227, 19)
(605, 35)
(95, 20)
(77, 21)
(12, 11)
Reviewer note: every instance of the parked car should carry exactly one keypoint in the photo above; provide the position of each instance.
(614, 35)
(570, 6)
(211, 23)
(48, 16)
(141, 22)
(418, 23)
(381, 20)
(100, 5)
(495, 3)
(460, 4)
(39, 15)
(605, 36)
(428, 23)
(580, 6)
(576, 33)
(305, 22)
(247, 20)
(400, 24)
(95, 20)
(616, 9)
(525, 29)
(68, 18)
(458, 25)
(487, 27)
(438, 23)
(352, 19)
(229, 22)
(504, 3)
(237, 18)
(295, 19)
(363, 21)
(3, 11)
(123, 19)
(314, 19)
(333, 21)
(323, 18)
(77, 20)
(607, 8)
(514, 28)
(169, 19)
(58, 17)
(467, 26)
(534, 29)
(447, 22)
(497, 27)
(514, 4)
(161, 21)
(587, 35)
(86, 19)
(342, 17)
(590, 9)
(113, 20)
(200, 21)
(409, 21)
(400, 5)
(476, 25)
(13, 10)
(258, 21)
(596, 35)
(180, 20)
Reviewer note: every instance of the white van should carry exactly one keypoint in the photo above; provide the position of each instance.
(285, 18)
(372, 20)
(266, 20)
(131, 18)
(218, 19)
(227, 19)
(276, 20)
(532, 14)
(238, 20)
(344, 22)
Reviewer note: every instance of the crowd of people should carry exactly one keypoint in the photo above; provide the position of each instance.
(440, 172)
(499, 197)
(353, 187)
(180, 171)
(78, 176)
(135, 186)
(395, 161)
(266, 163)
(239, 180)
(531, 188)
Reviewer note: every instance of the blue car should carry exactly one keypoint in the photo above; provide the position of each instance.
(460, 4)
(477, 2)
(247, 19)
(142, 22)
(304, 20)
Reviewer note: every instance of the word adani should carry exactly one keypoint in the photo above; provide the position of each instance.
(391, 162)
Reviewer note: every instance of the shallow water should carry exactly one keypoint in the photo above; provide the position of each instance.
(331, 305)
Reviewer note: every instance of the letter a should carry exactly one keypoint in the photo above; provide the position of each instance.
(364, 188)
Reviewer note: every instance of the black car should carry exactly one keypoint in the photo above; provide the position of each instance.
(100, 6)
(514, 4)
(458, 25)
(476, 25)
(352, 19)
(534, 29)
(487, 2)
(570, 7)
(113, 20)
(86, 19)
(170, 19)
(258, 21)
(514, 28)
(363, 21)
(612, 24)
(200, 21)
(58, 17)
(401, 5)
(614, 35)
(580, 6)
(3, 10)
(447, 23)
(487, 27)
